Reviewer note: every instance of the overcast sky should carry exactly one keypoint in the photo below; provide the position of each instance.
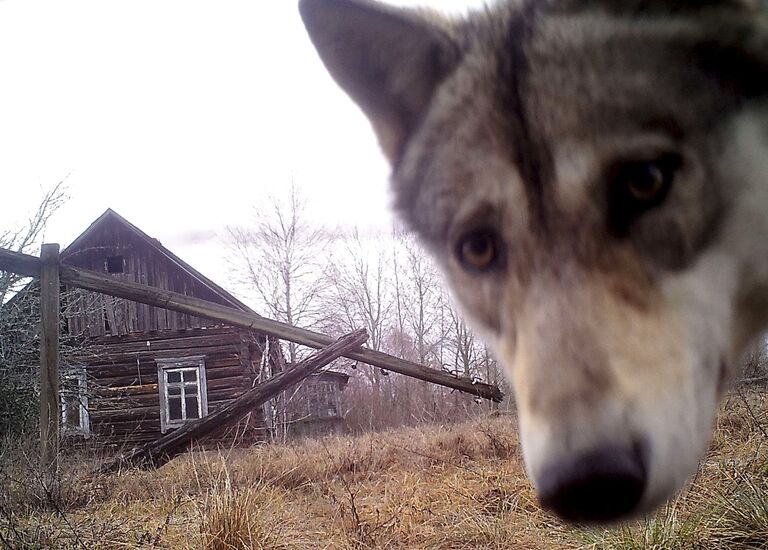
(180, 115)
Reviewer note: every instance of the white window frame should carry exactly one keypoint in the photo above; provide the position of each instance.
(84, 428)
(195, 364)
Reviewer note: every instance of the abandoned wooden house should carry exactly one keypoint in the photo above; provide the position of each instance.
(142, 370)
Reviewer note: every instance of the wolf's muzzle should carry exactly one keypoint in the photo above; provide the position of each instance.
(602, 485)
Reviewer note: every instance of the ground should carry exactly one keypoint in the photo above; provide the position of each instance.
(460, 486)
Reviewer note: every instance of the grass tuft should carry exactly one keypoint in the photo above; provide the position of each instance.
(432, 487)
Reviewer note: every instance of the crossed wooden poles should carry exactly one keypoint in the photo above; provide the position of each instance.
(52, 274)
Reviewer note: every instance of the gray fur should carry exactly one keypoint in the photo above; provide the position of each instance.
(519, 124)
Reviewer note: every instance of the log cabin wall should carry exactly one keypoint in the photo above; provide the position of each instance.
(113, 393)
(122, 380)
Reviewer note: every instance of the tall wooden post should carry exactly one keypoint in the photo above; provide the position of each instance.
(49, 355)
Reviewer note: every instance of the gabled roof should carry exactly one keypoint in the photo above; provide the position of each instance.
(110, 216)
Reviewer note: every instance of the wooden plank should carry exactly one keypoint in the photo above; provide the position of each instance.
(106, 386)
(117, 398)
(149, 387)
(174, 343)
(135, 413)
(22, 264)
(234, 382)
(50, 308)
(100, 372)
(157, 453)
(125, 402)
(140, 406)
(109, 426)
(109, 313)
(106, 359)
(194, 306)
(169, 335)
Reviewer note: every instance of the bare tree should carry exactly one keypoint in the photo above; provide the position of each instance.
(419, 299)
(282, 260)
(26, 237)
(359, 291)
(419, 324)
(359, 296)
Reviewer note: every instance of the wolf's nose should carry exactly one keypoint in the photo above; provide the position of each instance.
(598, 486)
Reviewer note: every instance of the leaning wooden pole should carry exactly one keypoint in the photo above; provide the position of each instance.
(194, 306)
(156, 453)
(49, 355)
(88, 280)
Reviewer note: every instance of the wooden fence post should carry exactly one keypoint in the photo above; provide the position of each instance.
(49, 355)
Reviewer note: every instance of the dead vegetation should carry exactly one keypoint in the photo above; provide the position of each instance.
(432, 487)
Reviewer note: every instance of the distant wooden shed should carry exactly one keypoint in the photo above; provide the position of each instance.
(314, 408)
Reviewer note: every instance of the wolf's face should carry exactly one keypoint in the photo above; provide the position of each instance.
(593, 179)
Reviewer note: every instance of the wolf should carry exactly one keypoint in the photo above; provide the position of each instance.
(592, 178)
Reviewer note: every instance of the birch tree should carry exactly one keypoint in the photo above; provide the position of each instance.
(359, 296)
(282, 261)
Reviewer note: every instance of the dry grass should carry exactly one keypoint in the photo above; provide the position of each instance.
(431, 487)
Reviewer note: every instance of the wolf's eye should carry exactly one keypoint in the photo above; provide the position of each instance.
(646, 181)
(637, 186)
(479, 250)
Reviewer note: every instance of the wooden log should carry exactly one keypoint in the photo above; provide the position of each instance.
(109, 358)
(178, 343)
(119, 415)
(96, 282)
(126, 391)
(105, 404)
(110, 387)
(16, 262)
(169, 335)
(194, 306)
(159, 452)
(233, 382)
(223, 394)
(98, 404)
(128, 427)
(50, 308)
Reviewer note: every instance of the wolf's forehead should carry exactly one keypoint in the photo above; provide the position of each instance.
(586, 78)
(531, 82)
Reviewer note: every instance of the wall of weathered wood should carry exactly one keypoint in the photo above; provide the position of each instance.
(314, 407)
(124, 400)
(93, 314)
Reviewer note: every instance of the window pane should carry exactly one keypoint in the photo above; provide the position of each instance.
(190, 390)
(174, 409)
(192, 407)
(72, 413)
(190, 376)
(174, 376)
(174, 390)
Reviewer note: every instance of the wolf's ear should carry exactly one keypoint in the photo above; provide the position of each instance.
(389, 60)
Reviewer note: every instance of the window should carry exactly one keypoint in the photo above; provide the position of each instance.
(115, 264)
(183, 392)
(74, 402)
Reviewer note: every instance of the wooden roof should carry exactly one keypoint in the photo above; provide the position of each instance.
(112, 217)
